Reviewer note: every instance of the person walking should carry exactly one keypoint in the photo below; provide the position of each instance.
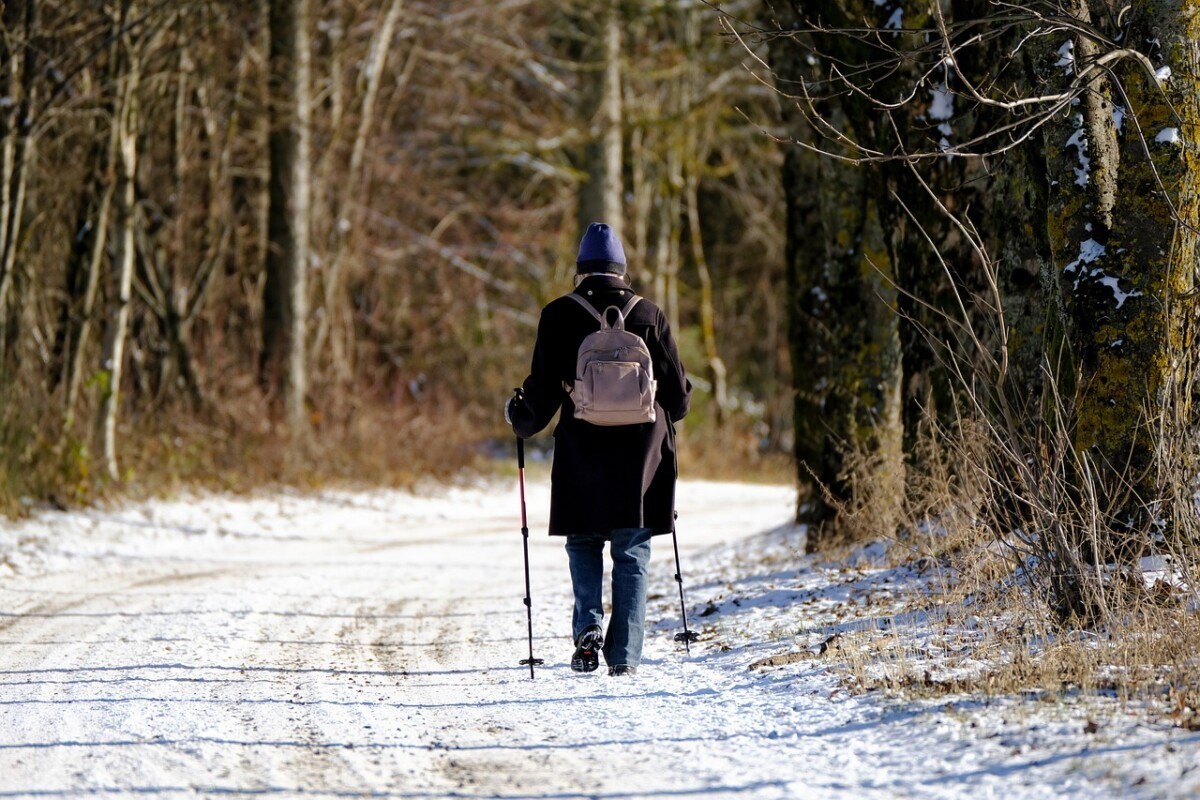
(610, 483)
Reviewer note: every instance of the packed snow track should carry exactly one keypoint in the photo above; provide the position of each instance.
(341, 645)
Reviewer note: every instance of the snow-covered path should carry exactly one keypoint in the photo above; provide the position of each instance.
(351, 645)
(338, 646)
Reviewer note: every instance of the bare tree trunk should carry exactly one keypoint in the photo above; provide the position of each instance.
(643, 197)
(347, 216)
(695, 155)
(843, 327)
(112, 365)
(285, 300)
(667, 247)
(708, 327)
(662, 255)
(166, 278)
(86, 264)
(94, 255)
(17, 144)
(12, 54)
(1131, 298)
(600, 198)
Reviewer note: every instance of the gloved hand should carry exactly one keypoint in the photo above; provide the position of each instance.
(517, 413)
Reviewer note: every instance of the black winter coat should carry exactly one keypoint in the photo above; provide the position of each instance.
(604, 477)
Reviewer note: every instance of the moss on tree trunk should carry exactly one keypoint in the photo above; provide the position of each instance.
(844, 327)
(1128, 284)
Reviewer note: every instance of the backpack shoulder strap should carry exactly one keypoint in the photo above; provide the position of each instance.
(603, 318)
(622, 314)
(587, 306)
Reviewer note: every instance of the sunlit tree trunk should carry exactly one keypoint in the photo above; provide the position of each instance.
(600, 196)
(127, 121)
(172, 288)
(642, 193)
(1129, 277)
(667, 247)
(85, 272)
(285, 300)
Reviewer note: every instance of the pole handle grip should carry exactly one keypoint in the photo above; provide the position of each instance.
(518, 394)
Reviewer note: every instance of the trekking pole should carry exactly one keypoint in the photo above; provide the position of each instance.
(688, 636)
(531, 661)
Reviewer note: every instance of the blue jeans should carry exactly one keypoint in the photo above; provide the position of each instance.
(630, 551)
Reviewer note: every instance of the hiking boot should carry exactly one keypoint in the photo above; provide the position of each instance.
(587, 650)
(622, 669)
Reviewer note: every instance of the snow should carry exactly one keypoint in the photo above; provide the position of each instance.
(1066, 57)
(1160, 568)
(1169, 136)
(1090, 251)
(941, 103)
(1115, 284)
(1079, 141)
(343, 644)
(941, 107)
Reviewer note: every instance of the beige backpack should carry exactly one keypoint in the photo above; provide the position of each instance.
(614, 374)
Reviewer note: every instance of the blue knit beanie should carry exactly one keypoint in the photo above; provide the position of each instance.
(600, 251)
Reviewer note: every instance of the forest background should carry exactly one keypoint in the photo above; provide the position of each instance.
(938, 257)
(192, 187)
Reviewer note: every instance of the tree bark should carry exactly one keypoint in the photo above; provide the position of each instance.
(285, 298)
(348, 217)
(843, 326)
(642, 192)
(708, 325)
(91, 255)
(696, 152)
(127, 122)
(12, 55)
(16, 147)
(600, 196)
(667, 249)
(1131, 294)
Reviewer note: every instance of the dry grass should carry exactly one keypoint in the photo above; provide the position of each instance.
(989, 620)
(241, 448)
(731, 453)
(238, 446)
(1150, 659)
(1032, 549)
